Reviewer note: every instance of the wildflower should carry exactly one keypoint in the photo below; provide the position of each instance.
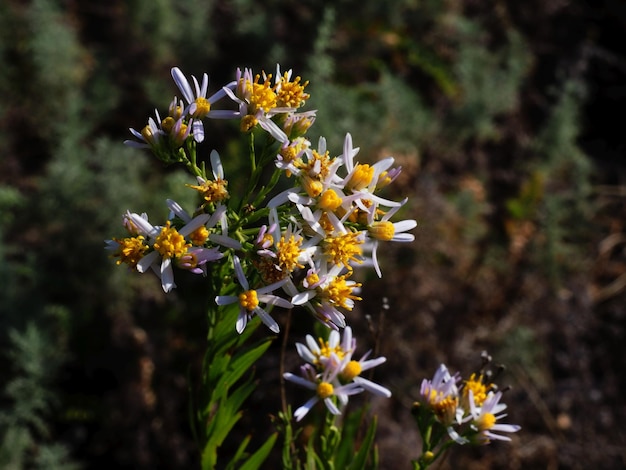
(384, 230)
(170, 244)
(206, 232)
(129, 250)
(325, 388)
(250, 300)
(290, 94)
(331, 371)
(152, 136)
(484, 419)
(213, 191)
(257, 103)
(199, 104)
(322, 354)
(441, 395)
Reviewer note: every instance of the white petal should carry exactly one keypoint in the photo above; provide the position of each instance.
(303, 297)
(216, 165)
(182, 84)
(267, 320)
(372, 387)
(167, 275)
(304, 409)
(242, 321)
(147, 261)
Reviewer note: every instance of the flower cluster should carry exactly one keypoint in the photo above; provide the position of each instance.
(331, 219)
(332, 373)
(470, 410)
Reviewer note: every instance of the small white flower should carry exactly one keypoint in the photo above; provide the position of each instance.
(169, 244)
(325, 389)
(199, 105)
(251, 299)
(484, 419)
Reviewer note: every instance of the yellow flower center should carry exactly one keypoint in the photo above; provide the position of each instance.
(261, 95)
(202, 108)
(444, 408)
(313, 187)
(338, 291)
(351, 370)
(167, 124)
(382, 230)
(199, 236)
(212, 191)
(325, 390)
(383, 180)
(344, 249)
(478, 388)
(249, 300)
(326, 350)
(329, 200)
(288, 252)
(248, 122)
(180, 136)
(171, 244)
(148, 135)
(486, 421)
(312, 279)
(361, 177)
(291, 94)
(130, 250)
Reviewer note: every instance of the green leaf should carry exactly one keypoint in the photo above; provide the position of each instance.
(358, 463)
(256, 460)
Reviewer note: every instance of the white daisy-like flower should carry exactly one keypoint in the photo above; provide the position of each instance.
(169, 245)
(441, 395)
(384, 230)
(484, 419)
(199, 105)
(257, 103)
(250, 300)
(325, 387)
(338, 352)
(152, 136)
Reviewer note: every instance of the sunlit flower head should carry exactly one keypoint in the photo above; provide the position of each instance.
(169, 245)
(251, 300)
(199, 104)
(484, 419)
(326, 389)
(257, 102)
(441, 395)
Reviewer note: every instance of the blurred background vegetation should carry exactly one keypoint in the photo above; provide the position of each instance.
(506, 119)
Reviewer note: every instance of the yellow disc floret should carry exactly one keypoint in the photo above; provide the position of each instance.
(199, 236)
(130, 250)
(329, 200)
(478, 388)
(261, 95)
(338, 291)
(486, 421)
(288, 252)
(351, 370)
(249, 300)
(291, 94)
(170, 244)
(326, 350)
(202, 108)
(212, 191)
(325, 390)
(361, 177)
(383, 230)
(344, 249)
